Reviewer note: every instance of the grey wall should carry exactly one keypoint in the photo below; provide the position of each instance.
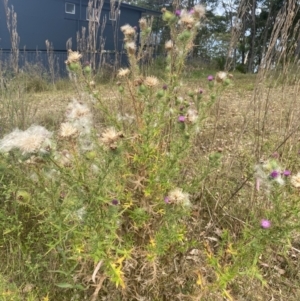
(40, 20)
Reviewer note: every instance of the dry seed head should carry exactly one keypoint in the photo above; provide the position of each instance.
(73, 57)
(199, 11)
(67, 130)
(92, 84)
(178, 197)
(143, 24)
(192, 116)
(151, 81)
(123, 72)
(131, 47)
(128, 30)
(295, 180)
(187, 20)
(221, 76)
(169, 45)
(110, 136)
(138, 81)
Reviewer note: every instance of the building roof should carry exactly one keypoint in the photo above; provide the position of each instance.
(144, 10)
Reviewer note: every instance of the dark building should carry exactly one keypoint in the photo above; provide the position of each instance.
(61, 20)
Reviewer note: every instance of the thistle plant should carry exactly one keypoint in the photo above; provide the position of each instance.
(112, 196)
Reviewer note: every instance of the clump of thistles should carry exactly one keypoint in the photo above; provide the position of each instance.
(178, 197)
(110, 137)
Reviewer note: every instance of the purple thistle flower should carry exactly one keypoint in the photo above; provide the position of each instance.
(191, 11)
(115, 202)
(265, 224)
(181, 118)
(177, 12)
(167, 200)
(286, 173)
(210, 78)
(200, 91)
(165, 87)
(275, 155)
(274, 174)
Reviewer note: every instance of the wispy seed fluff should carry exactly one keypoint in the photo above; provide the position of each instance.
(35, 138)
(79, 121)
(80, 116)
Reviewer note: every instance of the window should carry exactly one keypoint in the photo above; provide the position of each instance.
(91, 14)
(70, 8)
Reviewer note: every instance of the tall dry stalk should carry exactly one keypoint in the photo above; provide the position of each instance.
(277, 51)
(115, 21)
(236, 32)
(95, 9)
(88, 40)
(51, 60)
(11, 21)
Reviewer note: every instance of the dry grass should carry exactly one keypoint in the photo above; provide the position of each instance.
(236, 130)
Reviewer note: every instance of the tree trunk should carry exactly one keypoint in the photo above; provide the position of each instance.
(253, 34)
